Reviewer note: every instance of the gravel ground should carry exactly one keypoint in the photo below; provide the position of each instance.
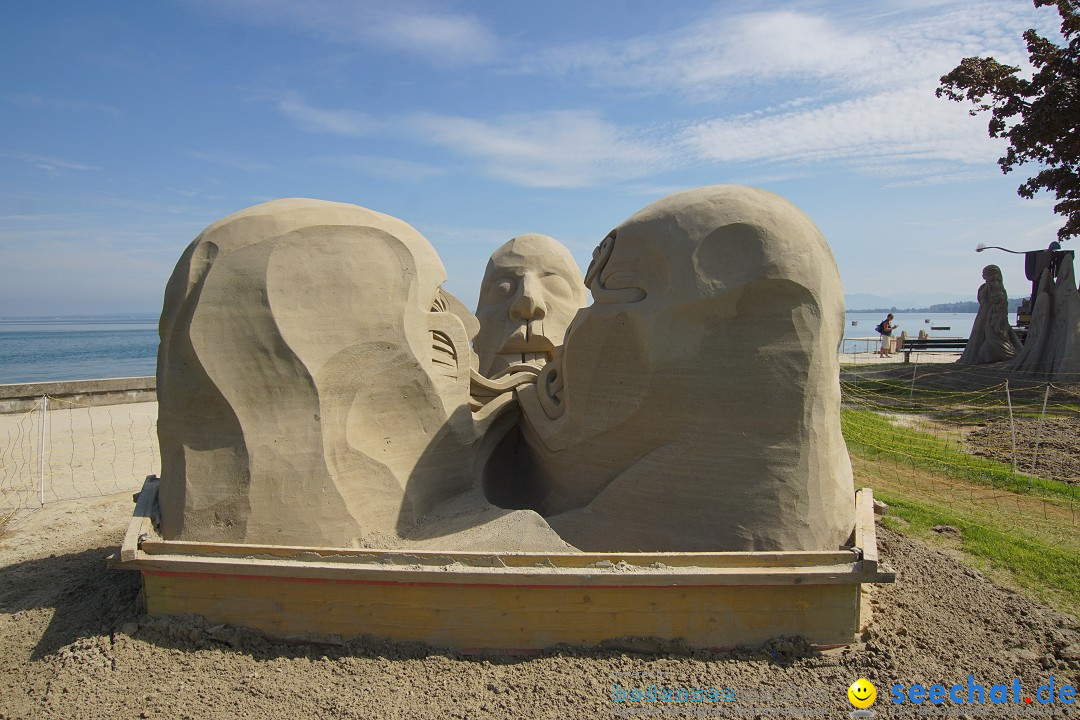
(1047, 448)
(75, 645)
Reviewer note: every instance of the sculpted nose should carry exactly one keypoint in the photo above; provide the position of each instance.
(529, 304)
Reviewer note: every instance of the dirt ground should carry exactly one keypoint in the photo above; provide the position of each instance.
(75, 645)
(1045, 445)
(1046, 448)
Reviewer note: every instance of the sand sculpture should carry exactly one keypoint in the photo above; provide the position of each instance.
(695, 405)
(317, 387)
(531, 290)
(992, 337)
(314, 389)
(1052, 346)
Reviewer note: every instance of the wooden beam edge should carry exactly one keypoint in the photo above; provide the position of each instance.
(866, 536)
(141, 525)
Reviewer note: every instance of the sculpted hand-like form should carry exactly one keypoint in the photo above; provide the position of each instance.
(531, 290)
(313, 383)
(696, 403)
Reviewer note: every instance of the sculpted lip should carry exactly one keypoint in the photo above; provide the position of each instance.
(525, 340)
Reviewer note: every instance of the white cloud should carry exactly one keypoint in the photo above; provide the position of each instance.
(319, 120)
(386, 168)
(441, 38)
(552, 149)
(811, 83)
(51, 165)
(806, 85)
(944, 178)
(416, 28)
(838, 48)
(877, 133)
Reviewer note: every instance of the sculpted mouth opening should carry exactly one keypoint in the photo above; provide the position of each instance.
(529, 344)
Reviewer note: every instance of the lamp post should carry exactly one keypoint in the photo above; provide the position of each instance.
(980, 247)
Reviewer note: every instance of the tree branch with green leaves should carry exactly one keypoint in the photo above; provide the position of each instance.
(1037, 115)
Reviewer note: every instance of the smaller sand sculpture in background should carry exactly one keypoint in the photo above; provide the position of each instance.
(1052, 346)
(992, 337)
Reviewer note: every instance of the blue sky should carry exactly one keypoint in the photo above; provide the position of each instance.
(127, 127)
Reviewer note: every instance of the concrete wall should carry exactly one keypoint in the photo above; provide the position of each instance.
(109, 391)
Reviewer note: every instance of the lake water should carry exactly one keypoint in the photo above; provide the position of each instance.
(949, 324)
(83, 348)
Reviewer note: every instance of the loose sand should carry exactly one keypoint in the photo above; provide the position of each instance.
(75, 645)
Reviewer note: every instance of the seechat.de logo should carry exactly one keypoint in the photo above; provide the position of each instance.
(862, 695)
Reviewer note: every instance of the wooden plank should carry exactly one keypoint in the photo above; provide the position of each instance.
(141, 525)
(513, 618)
(628, 576)
(865, 531)
(509, 600)
(522, 559)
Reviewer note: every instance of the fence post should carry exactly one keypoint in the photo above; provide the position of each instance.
(1038, 430)
(914, 370)
(41, 454)
(1012, 426)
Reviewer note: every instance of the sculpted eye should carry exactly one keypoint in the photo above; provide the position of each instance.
(557, 285)
(504, 288)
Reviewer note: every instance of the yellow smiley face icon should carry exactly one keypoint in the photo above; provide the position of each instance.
(862, 693)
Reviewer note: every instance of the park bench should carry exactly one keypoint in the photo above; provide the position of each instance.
(933, 344)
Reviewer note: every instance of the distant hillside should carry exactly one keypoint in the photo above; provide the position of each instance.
(967, 306)
(902, 300)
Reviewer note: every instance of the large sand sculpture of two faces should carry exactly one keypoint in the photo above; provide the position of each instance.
(315, 385)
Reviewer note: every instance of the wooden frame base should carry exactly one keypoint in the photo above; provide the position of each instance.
(509, 601)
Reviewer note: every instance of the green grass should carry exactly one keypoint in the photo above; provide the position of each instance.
(1050, 572)
(1023, 546)
(871, 434)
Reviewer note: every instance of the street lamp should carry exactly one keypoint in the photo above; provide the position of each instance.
(980, 247)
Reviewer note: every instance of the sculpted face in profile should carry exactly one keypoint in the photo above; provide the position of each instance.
(696, 402)
(532, 289)
(313, 383)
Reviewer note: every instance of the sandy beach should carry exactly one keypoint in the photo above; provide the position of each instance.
(76, 643)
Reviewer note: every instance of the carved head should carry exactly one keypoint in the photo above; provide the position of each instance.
(532, 289)
(992, 273)
(712, 340)
(309, 347)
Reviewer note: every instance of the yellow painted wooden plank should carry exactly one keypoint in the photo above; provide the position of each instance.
(474, 617)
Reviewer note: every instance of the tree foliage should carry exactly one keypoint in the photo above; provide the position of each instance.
(1039, 116)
